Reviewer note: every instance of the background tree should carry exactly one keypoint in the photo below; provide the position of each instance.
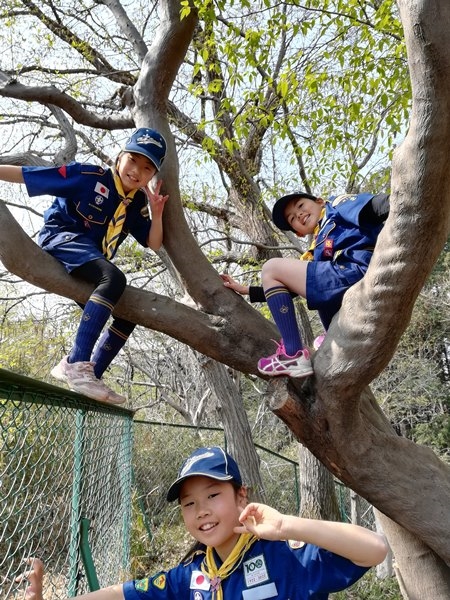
(304, 64)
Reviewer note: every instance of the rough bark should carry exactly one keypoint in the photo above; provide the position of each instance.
(414, 563)
(317, 488)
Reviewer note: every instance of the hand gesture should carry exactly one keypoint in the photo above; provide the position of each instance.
(35, 577)
(156, 200)
(231, 283)
(261, 520)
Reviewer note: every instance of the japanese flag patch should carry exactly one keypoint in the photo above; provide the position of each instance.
(101, 189)
(199, 581)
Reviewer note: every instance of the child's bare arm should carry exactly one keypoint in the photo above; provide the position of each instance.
(231, 283)
(360, 545)
(11, 174)
(35, 577)
(157, 202)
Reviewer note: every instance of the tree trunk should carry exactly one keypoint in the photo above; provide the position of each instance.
(421, 574)
(386, 568)
(355, 508)
(237, 430)
(317, 489)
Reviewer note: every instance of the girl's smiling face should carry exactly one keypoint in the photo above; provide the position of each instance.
(210, 510)
(303, 214)
(135, 170)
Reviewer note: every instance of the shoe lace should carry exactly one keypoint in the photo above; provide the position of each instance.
(86, 369)
(280, 347)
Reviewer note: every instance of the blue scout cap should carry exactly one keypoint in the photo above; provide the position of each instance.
(278, 209)
(149, 143)
(211, 462)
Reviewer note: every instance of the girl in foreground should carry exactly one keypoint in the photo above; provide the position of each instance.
(244, 550)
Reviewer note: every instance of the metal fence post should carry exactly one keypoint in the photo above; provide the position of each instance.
(125, 481)
(76, 504)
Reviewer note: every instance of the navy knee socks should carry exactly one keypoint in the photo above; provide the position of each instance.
(282, 308)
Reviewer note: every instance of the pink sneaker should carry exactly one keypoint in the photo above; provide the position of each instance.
(319, 341)
(80, 377)
(280, 363)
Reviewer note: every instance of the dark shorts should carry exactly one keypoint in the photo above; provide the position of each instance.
(326, 284)
(71, 249)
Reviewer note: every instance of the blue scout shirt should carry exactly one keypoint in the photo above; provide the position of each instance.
(86, 199)
(343, 236)
(285, 570)
(342, 251)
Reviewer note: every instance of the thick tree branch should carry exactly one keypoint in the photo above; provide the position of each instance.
(51, 95)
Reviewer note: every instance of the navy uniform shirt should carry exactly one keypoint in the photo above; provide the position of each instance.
(284, 570)
(345, 236)
(343, 249)
(85, 200)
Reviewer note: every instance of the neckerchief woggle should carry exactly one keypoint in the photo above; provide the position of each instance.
(232, 562)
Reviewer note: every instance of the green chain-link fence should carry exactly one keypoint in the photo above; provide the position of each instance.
(65, 487)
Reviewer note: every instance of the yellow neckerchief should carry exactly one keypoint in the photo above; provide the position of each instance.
(232, 562)
(112, 235)
(309, 254)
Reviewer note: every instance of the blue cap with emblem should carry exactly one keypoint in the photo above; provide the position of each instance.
(149, 143)
(211, 462)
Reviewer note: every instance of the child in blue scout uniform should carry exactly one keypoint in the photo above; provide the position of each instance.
(93, 212)
(248, 551)
(345, 230)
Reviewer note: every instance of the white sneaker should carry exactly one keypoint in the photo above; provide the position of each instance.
(113, 397)
(59, 372)
(80, 377)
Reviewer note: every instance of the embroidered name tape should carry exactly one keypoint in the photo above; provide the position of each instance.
(261, 592)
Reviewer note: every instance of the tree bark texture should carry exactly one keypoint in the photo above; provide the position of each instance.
(317, 488)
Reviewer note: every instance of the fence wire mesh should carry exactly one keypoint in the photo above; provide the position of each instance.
(63, 461)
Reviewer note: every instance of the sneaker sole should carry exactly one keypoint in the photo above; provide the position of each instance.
(296, 373)
(103, 398)
(116, 401)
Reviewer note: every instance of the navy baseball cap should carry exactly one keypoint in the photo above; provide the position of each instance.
(211, 462)
(278, 209)
(149, 143)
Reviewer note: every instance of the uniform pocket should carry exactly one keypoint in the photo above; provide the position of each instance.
(92, 213)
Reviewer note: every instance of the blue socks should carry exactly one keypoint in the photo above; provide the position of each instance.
(282, 308)
(95, 315)
(112, 340)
